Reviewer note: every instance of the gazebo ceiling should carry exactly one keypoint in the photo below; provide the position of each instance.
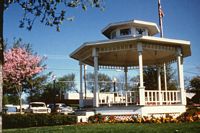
(123, 51)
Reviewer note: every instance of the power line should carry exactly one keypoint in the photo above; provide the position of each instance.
(192, 72)
(70, 69)
(57, 57)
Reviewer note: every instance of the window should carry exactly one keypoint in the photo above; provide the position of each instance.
(124, 32)
(113, 35)
(140, 31)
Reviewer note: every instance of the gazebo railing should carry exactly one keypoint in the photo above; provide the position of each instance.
(118, 98)
(167, 97)
(152, 97)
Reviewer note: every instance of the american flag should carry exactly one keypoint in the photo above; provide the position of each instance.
(160, 11)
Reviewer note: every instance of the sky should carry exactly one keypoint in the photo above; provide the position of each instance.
(181, 21)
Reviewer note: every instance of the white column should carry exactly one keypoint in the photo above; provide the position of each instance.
(159, 85)
(181, 76)
(96, 91)
(165, 81)
(126, 84)
(141, 87)
(165, 76)
(81, 87)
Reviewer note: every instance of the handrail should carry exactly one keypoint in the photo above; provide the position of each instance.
(167, 97)
(132, 97)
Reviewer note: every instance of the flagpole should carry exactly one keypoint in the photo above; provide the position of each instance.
(160, 14)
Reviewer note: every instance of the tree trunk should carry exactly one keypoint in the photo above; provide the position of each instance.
(1, 59)
(19, 91)
(31, 90)
(20, 103)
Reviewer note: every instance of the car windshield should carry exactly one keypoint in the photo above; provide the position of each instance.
(63, 105)
(11, 109)
(37, 105)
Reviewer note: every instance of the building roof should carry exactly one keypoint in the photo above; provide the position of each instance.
(123, 51)
(152, 27)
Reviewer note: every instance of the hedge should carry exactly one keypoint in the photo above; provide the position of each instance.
(36, 120)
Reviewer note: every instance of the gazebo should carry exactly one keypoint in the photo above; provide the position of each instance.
(132, 44)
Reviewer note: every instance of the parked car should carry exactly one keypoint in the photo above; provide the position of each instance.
(10, 109)
(38, 107)
(63, 109)
(14, 109)
(51, 106)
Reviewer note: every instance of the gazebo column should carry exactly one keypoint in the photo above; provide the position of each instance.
(159, 85)
(126, 84)
(180, 76)
(81, 86)
(141, 87)
(96, 91)
(165, 81)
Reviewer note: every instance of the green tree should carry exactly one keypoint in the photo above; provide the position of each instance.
(10, 99)
(57, 88)
(48, 95)
(66, 83)
(195, 87)
(134, 83)
(104, 84)
(151, 80)
(50, 12)
(35, 86)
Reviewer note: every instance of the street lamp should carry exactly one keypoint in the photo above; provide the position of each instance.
(114, 84)
(54, 89)
(114, 87)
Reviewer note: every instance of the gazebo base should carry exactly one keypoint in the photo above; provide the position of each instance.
(156, 111)
(146, 110)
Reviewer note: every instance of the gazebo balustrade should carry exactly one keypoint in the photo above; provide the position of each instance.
(132, 98)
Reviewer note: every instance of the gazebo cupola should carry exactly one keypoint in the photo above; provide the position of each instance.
(132, 28)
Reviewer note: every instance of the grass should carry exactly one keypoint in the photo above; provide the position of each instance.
(115, 128)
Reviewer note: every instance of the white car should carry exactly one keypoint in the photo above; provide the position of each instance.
(63, 109)
(38, 107)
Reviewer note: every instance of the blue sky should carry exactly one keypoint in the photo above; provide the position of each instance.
(181, 21)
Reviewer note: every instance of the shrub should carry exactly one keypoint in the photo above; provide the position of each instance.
(97, 118)
(36, 120)
(191, 115)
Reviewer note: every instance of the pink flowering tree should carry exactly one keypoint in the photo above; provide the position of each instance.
(20, 65)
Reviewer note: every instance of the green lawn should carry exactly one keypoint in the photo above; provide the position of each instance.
(115, 128)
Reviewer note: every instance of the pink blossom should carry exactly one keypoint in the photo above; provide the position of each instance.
(19, 65)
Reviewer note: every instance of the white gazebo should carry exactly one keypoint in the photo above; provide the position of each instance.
(130, 45)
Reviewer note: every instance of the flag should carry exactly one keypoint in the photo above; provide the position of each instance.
(161, 15)
(160, 11)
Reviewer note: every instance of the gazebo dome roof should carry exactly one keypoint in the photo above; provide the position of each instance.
(123, 51)
(152, 27)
